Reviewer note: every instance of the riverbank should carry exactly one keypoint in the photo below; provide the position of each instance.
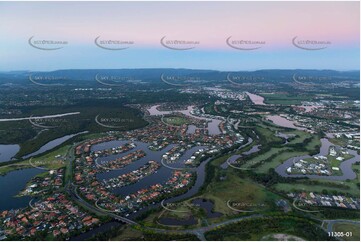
(345, 166)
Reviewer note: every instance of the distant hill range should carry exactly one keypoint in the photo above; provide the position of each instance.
(75, 76)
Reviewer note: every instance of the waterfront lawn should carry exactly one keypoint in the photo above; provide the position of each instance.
(220, 190)
(267, 135)
(336, 163)
(299, 138)
(278, 160)
(284, 153)
(182, 211)
(237, 189)
(343, 142)
(17, 166)
(48, 161)
(271, 126)
(314, 144)
(258, 159)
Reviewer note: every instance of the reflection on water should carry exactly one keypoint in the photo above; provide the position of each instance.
(52, 144)
(256, 99)
(208, 206)
(205, 204)
(8, 151)
(162, 175)
(283, 122)
(233, 158)
(11, 184)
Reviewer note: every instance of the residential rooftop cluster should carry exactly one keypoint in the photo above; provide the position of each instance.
(132, 203)
(326, 125)
(120, 162)
(56, 215)
(114, 150)
(225, 94)
(100, 192)
(132, 177)
(174, 154)
(159, 135)
(52, 180)
(322, 200)
(200, 123)
(321, 165)
(317, 165)
(85, 147)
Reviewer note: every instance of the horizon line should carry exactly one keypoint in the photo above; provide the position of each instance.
(180, 68)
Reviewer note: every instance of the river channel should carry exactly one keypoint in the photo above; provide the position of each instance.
(345, 166)
(7, 152)
(161, 176)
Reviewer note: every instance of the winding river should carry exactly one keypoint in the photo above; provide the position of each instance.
(233, 158)
(52, 144)
(345, 166)
(7, 152)
(161, 176)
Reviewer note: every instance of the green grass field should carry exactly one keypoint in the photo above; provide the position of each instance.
(299, 138)
(175, 120)
(48, 161)
(127, 233)
(250, 195)
(339, 141)
(285, 152)
(243, 194)
(258, 228)
(278, 160)
(348, 228)
(263, 156)
(299, 186)
(337, 163)
(285, 99)
(233, 187)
